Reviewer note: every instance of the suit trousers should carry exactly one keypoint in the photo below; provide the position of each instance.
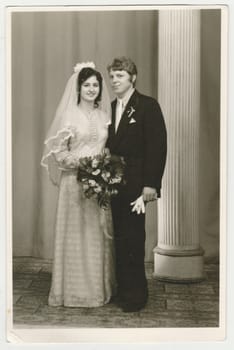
(129, 229)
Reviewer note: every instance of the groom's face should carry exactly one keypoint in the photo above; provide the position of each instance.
(121, 81)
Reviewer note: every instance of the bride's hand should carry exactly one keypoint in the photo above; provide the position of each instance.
(106, 151)
(69, 161)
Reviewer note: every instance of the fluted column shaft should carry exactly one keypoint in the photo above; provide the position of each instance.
(178, 254)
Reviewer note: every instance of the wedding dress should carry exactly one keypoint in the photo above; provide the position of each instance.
(83, 268)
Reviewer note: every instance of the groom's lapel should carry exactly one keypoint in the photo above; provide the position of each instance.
(129, 112)
(112, 126)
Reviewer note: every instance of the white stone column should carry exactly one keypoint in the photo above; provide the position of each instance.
(178, 255)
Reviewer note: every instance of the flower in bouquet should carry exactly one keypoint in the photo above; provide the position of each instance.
(101, 176)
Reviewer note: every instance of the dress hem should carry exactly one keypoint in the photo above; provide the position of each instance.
(80, 305)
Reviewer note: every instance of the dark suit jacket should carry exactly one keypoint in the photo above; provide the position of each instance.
(141, 140)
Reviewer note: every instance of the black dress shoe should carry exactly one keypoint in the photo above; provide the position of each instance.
(133, 307)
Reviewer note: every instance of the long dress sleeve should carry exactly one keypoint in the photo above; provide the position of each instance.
(65, 158)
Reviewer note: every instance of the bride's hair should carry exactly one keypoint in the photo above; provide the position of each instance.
(85, 74)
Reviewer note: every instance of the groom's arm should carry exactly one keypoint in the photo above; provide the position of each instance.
(155, 146)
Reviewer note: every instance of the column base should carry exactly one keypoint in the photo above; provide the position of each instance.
(180, 268)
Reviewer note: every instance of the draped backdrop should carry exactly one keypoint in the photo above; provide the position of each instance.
(45, 47)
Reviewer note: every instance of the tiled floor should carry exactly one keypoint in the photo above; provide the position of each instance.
(169, 305)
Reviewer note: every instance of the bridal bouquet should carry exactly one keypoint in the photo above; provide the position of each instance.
(101, 176)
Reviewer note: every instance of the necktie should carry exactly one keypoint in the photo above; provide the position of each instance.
(118, 115)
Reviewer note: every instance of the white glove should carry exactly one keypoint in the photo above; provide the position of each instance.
(138, 205)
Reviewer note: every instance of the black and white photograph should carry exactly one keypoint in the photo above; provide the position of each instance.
(116, 124)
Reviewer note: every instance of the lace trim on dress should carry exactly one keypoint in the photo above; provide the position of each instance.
(54, 145)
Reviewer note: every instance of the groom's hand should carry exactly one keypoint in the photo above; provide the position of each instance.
(149, 194)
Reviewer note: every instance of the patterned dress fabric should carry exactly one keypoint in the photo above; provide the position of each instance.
(83, 266)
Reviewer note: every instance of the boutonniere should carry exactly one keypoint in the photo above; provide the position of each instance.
(132, 120)
(130, 111)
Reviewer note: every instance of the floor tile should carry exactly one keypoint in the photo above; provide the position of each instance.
(169, 304)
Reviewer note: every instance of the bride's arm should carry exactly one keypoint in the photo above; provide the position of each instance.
(65, 157)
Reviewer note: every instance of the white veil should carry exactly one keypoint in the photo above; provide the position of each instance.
(61, 128)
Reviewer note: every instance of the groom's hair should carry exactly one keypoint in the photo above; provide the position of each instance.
(123, 63)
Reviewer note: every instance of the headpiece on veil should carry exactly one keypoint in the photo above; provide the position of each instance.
(62, 127)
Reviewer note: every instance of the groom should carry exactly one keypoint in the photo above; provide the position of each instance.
(137, 133)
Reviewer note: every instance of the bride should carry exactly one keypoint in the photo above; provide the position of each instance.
(83, 265)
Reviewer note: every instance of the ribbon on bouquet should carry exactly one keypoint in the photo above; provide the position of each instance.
(106, 223)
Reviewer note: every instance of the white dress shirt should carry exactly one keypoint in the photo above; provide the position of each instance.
(120, 106)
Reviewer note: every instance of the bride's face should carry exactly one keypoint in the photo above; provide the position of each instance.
(90, 89)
